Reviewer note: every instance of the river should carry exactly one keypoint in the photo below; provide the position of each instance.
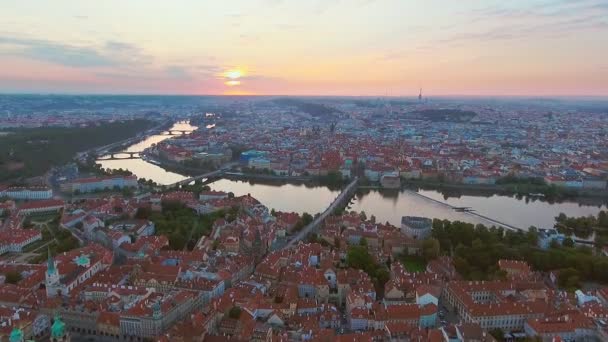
(385, 205)
(144, 169)
(390, 206)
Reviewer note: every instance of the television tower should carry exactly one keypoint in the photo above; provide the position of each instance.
(420, 95)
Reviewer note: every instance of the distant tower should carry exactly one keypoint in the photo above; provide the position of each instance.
(420, 95)
(52, 283)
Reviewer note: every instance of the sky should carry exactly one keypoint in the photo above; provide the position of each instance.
(305, 47)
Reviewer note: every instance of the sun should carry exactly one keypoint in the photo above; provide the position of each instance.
(233, 74)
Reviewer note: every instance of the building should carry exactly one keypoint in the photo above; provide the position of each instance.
(246, 156)
(70, 269)
(27, 193)
(100, 183)
(515, 268)
(135, 227)
(416, 227)
(259, 163)
(547, 236)
(151, 317)
(42, 206)
(490, 304)
(390, 181)
(570, 326)
(211, 195)
(14, 240)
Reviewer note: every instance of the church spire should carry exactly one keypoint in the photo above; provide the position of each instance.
(50, 263)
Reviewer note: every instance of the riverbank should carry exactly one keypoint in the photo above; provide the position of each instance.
(32, 152)
(175, 167)
(457, 190)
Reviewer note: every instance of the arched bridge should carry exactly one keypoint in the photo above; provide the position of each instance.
(122, 156)
(175, 132)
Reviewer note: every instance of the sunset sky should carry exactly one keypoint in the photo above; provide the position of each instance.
(305, 47)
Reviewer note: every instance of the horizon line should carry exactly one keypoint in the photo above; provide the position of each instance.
(2, 93)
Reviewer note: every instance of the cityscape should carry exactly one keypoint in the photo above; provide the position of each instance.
(176, 176)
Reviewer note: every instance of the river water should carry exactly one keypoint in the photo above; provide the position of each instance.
(144, 169)
(385, 205)
(516, 212)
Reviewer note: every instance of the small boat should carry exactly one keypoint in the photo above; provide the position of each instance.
(155, 162)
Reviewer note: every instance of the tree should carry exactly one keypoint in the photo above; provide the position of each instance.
(306, 219)
(430, 249)
(568, 242)
(602, 219)
(337, 242)
(143, 213)
(313, 238)
(382, 276)
(127, 192)
(235, 312)
(177, 240)
(532, 235)
(569, 279)
(13, 277)
(358, 257)
(363, 216)
(498, 334)
(554, 244)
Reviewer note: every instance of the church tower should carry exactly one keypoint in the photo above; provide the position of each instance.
(156, 311)
(53, 285)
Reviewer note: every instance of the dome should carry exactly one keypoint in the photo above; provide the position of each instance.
(58, 328)
(16, 335)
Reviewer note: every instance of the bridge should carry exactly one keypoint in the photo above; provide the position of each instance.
(342, 199)
(463, 209)
(103, 150)
(213, 174)
(176, 132)
(171, 131)
(122, 156)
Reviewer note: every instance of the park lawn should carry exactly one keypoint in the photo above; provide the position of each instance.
(33, 246)
(43, 217)
(413, 264)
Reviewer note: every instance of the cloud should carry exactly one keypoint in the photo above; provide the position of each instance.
(543, 9)
(177, 71)
(52, 52)
(534, 20)
(112, 53)
(208, 69)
